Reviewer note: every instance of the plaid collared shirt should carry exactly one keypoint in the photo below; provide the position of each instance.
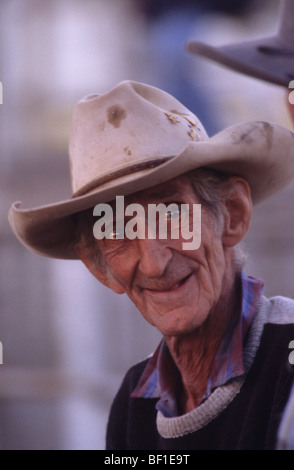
(161, 378)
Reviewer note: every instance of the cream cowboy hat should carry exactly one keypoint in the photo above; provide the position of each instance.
(270, 58)
(137, 136)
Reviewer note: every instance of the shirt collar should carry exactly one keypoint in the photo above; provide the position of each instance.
(161, 378)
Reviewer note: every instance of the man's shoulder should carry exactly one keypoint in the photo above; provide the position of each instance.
(281, 310)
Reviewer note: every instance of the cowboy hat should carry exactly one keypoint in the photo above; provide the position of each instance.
(270, 58)
(136, 136)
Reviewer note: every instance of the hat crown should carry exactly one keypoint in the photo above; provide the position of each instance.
(286, 26)
(127, 129)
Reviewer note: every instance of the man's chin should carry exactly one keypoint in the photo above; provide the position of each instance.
(169, 327)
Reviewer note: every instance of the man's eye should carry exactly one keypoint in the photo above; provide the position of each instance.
(173, 214)
(114, 235)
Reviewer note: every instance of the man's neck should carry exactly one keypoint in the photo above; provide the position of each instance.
(194, 352)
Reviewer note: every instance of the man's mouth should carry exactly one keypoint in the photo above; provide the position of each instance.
(169, 288)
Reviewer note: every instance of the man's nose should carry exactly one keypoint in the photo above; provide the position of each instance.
(154, 256)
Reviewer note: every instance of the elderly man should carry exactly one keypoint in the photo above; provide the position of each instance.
(219, 378)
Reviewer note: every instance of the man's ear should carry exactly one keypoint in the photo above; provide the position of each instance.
(99, 271)
(239, 211)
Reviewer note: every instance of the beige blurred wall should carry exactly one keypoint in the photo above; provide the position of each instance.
(67, 340)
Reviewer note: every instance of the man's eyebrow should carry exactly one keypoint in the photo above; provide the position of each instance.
(165, 193)
(159, 194)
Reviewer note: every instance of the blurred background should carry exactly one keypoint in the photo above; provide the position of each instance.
(67, 341)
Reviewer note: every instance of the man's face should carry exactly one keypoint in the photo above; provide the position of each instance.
(174, 289)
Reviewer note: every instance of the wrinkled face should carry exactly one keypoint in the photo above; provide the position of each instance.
(173, 288)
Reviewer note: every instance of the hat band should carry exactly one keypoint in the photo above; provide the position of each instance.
(119, 173)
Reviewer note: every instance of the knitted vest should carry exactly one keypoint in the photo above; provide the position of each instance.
(243, 414)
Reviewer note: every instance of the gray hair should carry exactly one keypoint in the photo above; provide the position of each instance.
(213, 189)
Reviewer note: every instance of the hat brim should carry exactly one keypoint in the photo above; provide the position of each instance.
(265, 59)
(260, 152)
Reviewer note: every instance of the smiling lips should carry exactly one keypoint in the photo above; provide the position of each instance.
(169, 289)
